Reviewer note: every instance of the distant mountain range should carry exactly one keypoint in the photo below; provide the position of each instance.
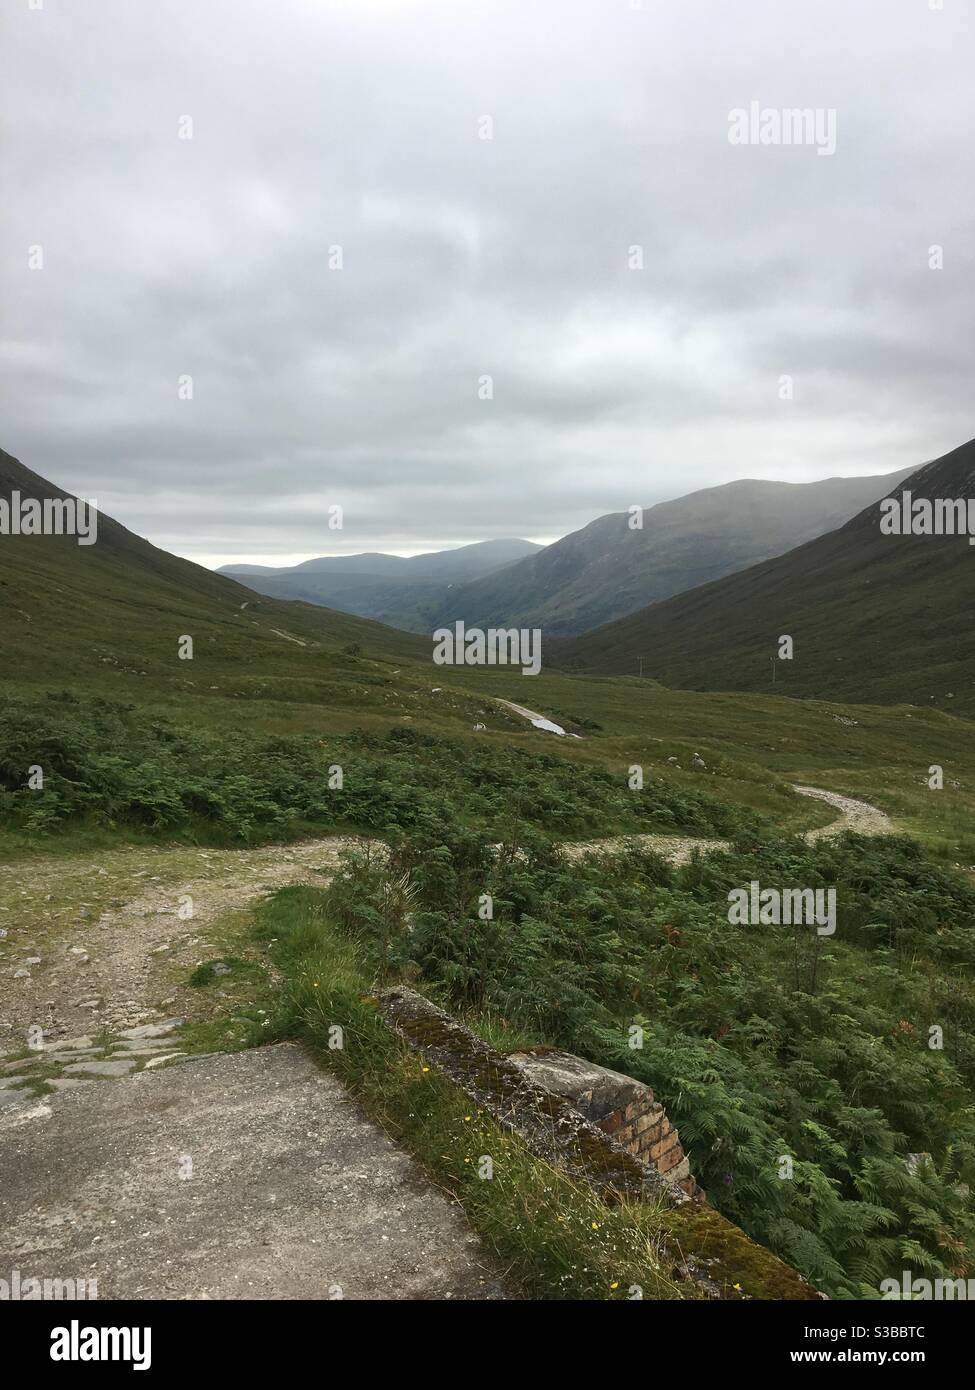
(874, 618)
(608, 569)
(396, 589)
(601, 572)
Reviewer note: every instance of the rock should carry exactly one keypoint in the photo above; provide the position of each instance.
(21, 974)
(698, 761)
(33, 960)
(112, 1068)
(158, 1061)
(66, 1083)
(150, 1050)
(152, 1030)
(75, 1043)
(9, 1068)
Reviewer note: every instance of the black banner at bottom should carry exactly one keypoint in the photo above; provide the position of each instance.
(133, 1338)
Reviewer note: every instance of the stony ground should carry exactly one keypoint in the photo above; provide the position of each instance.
(108, 943)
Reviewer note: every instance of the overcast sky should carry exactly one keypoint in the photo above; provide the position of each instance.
(360, 125)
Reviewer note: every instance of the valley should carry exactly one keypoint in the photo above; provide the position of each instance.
(252, 840)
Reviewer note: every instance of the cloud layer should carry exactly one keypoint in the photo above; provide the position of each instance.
(360, 126)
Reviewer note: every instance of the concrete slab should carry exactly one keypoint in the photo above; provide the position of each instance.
(247, 1175)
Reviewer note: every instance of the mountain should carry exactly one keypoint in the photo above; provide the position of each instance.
(396, 589)
(607, 570)
(874, 618)
(118, 607)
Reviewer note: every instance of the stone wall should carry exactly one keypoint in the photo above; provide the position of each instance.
(560, 1106)
(621, 1107)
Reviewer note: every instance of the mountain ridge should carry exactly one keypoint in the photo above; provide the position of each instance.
(874, 618)
(606, 569)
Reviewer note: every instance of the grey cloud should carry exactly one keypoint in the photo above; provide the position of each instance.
(317, 124)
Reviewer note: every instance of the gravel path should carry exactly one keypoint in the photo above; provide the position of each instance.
(858, 816)
(88, 944)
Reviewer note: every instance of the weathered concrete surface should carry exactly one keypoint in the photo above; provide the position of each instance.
(294, 1193)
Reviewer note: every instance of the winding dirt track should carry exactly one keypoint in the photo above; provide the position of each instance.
(71, 975)
(858, 816)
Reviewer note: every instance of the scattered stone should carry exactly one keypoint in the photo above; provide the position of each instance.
(33, 960)
(75, 1044)
(9, 1067)
(128, 1051)
(698, 761)
(65, 1083)
(152, 1030)
(112, 1068)
(21, 974)
(158, 1061)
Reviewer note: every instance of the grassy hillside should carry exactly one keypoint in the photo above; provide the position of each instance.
(111, 614)
(608, 569)
(873, 617)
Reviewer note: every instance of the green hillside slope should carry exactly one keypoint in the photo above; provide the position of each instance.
(874, 618)
(119, 607)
